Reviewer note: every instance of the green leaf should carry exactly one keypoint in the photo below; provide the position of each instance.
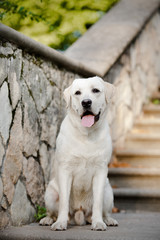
(2, 14)
(21, 9)
(41, 213)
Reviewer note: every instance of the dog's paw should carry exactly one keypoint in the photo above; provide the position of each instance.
(59, 226)
(98, 226)
(111, 221)
(46, 221)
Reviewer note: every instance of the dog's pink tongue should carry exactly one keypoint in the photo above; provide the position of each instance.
(87, 121)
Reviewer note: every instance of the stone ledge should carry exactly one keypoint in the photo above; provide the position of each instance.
(137, 152)
(137, 193)
(106, 40)
(134, 172)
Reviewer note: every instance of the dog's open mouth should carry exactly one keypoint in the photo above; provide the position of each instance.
(88, 119)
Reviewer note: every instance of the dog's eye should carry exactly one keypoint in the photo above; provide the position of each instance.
(95, 90)
(77, 93)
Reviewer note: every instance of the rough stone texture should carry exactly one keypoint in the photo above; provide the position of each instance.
(45, 161)
(31, 119)
(13, 159)
(5, 108)
(4, 219)
(4, 63)
(4, 204)
(1, 151)
(15, 91)
(1, 189)
(34, 180)
(14, 73)
(50, 120)
(21, 206)
(6, 51)
(39, 87)
(30, 130)
(3, 69)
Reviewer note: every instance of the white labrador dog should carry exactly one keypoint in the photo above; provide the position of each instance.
(80, 191)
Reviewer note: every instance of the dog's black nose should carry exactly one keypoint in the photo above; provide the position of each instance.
(86, 103)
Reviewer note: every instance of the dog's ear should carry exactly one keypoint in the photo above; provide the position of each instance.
(109, 91)
(67, 96)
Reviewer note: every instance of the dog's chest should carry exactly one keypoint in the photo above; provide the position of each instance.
(82, 179)
(83, 170)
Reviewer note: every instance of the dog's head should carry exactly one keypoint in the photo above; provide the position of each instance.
(88, 98)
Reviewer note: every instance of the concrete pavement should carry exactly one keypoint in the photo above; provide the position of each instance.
(132, 226)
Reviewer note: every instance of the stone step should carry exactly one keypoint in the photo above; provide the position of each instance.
(147, 125)
(141, 193)
(152, 109)
(143, 136)
(156, 95)
(148, 121)
(143, 140)
(137, 199)
(136, 176)
(140, 161)
(130, 152)
(139, 157)
(139, 178)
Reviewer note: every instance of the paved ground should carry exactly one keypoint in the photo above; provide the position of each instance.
(132, 226)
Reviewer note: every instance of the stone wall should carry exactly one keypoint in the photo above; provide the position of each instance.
(136, 75)
(32, 108)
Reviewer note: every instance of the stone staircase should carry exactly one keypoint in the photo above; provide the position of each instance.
(135, 172)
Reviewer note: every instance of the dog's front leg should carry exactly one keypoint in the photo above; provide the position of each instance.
(98, 191)
(65, 180)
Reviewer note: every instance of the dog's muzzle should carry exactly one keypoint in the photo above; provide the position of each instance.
(88, 119)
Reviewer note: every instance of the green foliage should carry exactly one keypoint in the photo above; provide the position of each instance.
(8, 7)
(156, 101)
(41, 213)
(56, 23)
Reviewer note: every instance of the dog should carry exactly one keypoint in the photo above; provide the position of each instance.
(80, 191)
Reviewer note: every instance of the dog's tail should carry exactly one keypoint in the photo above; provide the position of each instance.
(79, 217)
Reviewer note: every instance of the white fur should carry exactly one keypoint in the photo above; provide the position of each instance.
(80, 190)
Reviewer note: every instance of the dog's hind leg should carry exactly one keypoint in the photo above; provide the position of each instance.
(108, 205)
(51, 202)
